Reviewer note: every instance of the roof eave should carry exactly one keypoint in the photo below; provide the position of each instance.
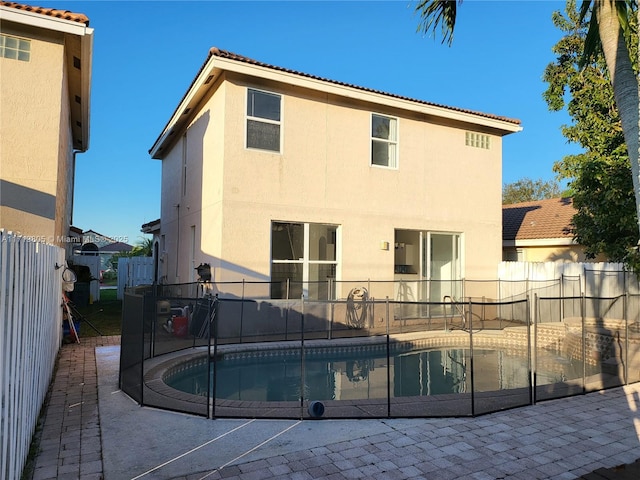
(194, 93)
(85, 86)
(214, 65)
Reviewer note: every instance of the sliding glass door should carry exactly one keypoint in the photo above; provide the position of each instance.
(442, 265)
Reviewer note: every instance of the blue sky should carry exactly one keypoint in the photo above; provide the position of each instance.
(147, 53)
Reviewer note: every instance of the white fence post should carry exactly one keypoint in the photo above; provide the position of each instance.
(30, 335)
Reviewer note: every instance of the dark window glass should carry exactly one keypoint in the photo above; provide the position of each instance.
(287, 241)
(265, 136)
(263, 105)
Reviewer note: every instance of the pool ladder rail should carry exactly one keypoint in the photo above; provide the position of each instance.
(459, 309)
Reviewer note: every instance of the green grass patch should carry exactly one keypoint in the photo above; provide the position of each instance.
(105, 315)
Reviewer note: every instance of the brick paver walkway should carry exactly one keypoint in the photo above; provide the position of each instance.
(69, 442)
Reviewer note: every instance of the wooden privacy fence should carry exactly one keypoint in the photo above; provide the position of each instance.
(30, 336)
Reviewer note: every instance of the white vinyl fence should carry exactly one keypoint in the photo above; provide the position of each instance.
(133, 271)
(553, 279)
(30, 336)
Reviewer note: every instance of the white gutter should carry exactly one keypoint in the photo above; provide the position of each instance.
(44, 21)
(539, 242)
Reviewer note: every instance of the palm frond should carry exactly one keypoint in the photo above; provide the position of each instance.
(434, 13)
(592, 40)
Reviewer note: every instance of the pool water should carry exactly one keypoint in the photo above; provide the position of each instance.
(358, 376)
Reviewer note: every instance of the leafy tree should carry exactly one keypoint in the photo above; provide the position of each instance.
(527, 190)
(609, 32)
(600, 178)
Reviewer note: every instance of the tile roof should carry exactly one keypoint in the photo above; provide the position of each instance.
(51, 12)
(151, 227)
(217, 52)
(116, 247)
(542, 219)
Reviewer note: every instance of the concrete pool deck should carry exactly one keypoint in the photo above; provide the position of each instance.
(91, 430)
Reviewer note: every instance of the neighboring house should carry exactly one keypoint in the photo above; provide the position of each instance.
(270, 174)
(96, 244)
(45, 60)
(108, 251)
(541, 231)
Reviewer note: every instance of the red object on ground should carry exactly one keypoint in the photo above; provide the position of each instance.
(180, 326)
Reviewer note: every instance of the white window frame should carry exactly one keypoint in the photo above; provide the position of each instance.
(305, 261)
(390, 142)
(262, 120)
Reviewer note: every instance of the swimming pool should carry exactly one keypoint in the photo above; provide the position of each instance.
(283, 377)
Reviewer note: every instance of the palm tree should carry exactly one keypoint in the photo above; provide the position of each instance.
(609, 22)
(608, 25)
(144, 248)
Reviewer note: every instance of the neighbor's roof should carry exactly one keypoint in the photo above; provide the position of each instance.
(150, 227)
(206, 72)
(542, 219)
(116, 247)
(51, 12)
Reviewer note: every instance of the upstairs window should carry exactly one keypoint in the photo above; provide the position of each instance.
(384, 141)
(263, 120)
(15, 48)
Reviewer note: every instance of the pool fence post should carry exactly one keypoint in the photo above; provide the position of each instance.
(286, 313)
(241, 310)
(142, 349)
(473, 400)
(561, 296)
(152, 346)
(583, 302)
(531, 401)
(212, 318)
(331, 315)
(625, 315)
(388, 362)
(535, 342)
(302, 358)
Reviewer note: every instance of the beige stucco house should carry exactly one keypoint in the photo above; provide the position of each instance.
(45, 60)
(273, 175)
